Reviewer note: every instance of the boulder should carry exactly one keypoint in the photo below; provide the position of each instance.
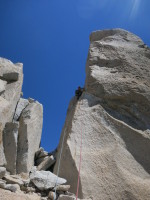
(13, 180)
(112, 116)
(22, 104)
(52, 195)
(47, 163)
(10, 96)
(10, 139)
(29, 136)
(40, 160)
(63, 188)
(44, 180)
(2, 184)
(11, 187)
(2, 172)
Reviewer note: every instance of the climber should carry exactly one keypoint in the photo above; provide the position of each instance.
(79, 92)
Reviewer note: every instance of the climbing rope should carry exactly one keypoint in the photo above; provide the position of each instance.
(79, 166)
(59, 162)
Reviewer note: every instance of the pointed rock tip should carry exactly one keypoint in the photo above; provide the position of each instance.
(101, 34)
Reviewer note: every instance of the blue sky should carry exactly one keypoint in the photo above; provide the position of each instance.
(51, 39)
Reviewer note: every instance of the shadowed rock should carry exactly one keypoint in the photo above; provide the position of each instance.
(29, 137)
(22, 104)
(11, 76)
(10, 140)
(47, 163)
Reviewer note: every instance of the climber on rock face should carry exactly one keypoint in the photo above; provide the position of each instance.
(79, 92)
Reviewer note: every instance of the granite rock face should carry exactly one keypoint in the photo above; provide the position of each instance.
(11, 78)
(13, 87)
(22, 104)
(20, 121)
(2, 86)
(29, 137)
(118, 72)
(113, 117)
(2, 156)
(10, 141)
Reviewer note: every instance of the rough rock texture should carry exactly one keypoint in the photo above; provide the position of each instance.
(3, 117)
(41, 156)
(44, 180)
(29, 137)
(52, 195)
(40, 160)
(40, 153)
(11, 187)
(22, 104)
(2, 172)
(13, 87)
(114, 118)
(7, 195)
(47, 163)
(13, 180)
(10, 138)
(64, 197)
(2, 184)
(21, 123)
(2, 86)
(12, 75)
(63, 188)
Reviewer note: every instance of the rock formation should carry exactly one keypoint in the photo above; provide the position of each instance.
(108, 122)
(10, 138)
(21, 123)
(29, 136)
(11, 78)
(113, 115)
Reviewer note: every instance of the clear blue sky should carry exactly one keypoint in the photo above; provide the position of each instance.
(51, 39)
